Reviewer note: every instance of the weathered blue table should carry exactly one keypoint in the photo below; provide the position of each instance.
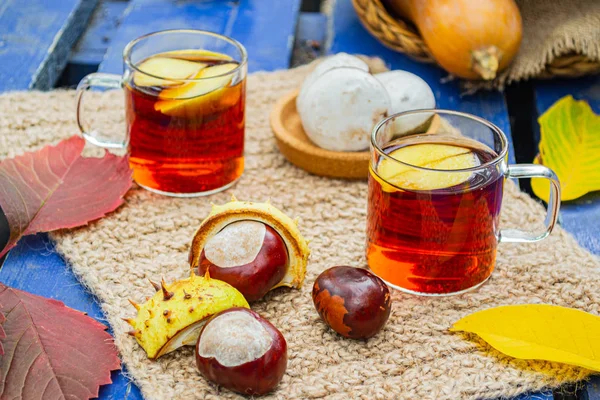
(59, 41)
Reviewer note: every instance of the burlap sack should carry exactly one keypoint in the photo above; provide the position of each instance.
(553, 30)
(413, 357)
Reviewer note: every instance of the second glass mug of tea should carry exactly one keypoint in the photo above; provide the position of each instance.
(184, 109)
(435, 194)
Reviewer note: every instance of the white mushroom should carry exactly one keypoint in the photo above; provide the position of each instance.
(407, 92)
(341, 107)
(329, 63)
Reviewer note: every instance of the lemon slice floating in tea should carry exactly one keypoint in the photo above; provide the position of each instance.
(201, 96)
(174, 68)
(434, 156)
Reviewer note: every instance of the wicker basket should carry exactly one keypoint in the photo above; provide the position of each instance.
(400, 36)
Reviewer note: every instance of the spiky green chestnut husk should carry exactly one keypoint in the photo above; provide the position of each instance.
(174, 316)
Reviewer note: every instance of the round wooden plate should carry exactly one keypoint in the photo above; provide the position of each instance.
(300, 151)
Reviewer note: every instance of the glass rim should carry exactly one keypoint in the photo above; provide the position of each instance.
(501, 155)
(129, 48)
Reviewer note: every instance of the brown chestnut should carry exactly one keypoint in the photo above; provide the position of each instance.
(352, 301)
(249, 255)
(241, 351)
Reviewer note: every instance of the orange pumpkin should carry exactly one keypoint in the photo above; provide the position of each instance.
(472, 39)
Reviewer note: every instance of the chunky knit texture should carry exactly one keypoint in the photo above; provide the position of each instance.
(413, 357)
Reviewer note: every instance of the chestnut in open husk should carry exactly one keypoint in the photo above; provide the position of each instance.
(248, 255)
(352, 301)
(241, 351)
(254, 247)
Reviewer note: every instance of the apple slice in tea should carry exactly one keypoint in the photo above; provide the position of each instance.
(174, 68)
(197, 55)
(439, 160)
(209, 93)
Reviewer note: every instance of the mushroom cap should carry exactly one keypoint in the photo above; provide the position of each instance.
(341, 107)
(407, 92)
(329, 63)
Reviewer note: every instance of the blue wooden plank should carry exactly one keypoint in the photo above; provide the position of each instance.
(92, 46)
(89, 51)
(145, 16)
(312, 27)
(311, 36)
(586, 88)
(545, 395)
(592, 389)
(351, 37)
(580, 217)
(36, 267)
(265, 28)
(36, 37)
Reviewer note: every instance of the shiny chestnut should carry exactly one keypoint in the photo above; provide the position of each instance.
(249, 255)
(241, 351)
(352, 301)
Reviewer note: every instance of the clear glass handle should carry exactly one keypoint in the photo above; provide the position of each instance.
(110, 81)
(534, 171)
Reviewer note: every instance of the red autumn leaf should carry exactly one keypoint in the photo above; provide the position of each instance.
(2, 333)
(51, 351)
(56, 187)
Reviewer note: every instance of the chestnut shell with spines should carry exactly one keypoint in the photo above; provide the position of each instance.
(255, 377)
(352, 301)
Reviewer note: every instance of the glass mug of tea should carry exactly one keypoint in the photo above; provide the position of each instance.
(184, 107)
(435, 193)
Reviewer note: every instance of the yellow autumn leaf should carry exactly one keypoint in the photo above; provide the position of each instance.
(570, 146)
(539, 332)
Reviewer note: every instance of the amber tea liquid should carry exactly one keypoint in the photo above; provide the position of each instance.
(186, 137)
(437, 241)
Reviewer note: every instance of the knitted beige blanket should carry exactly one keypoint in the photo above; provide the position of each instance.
(413, 357)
